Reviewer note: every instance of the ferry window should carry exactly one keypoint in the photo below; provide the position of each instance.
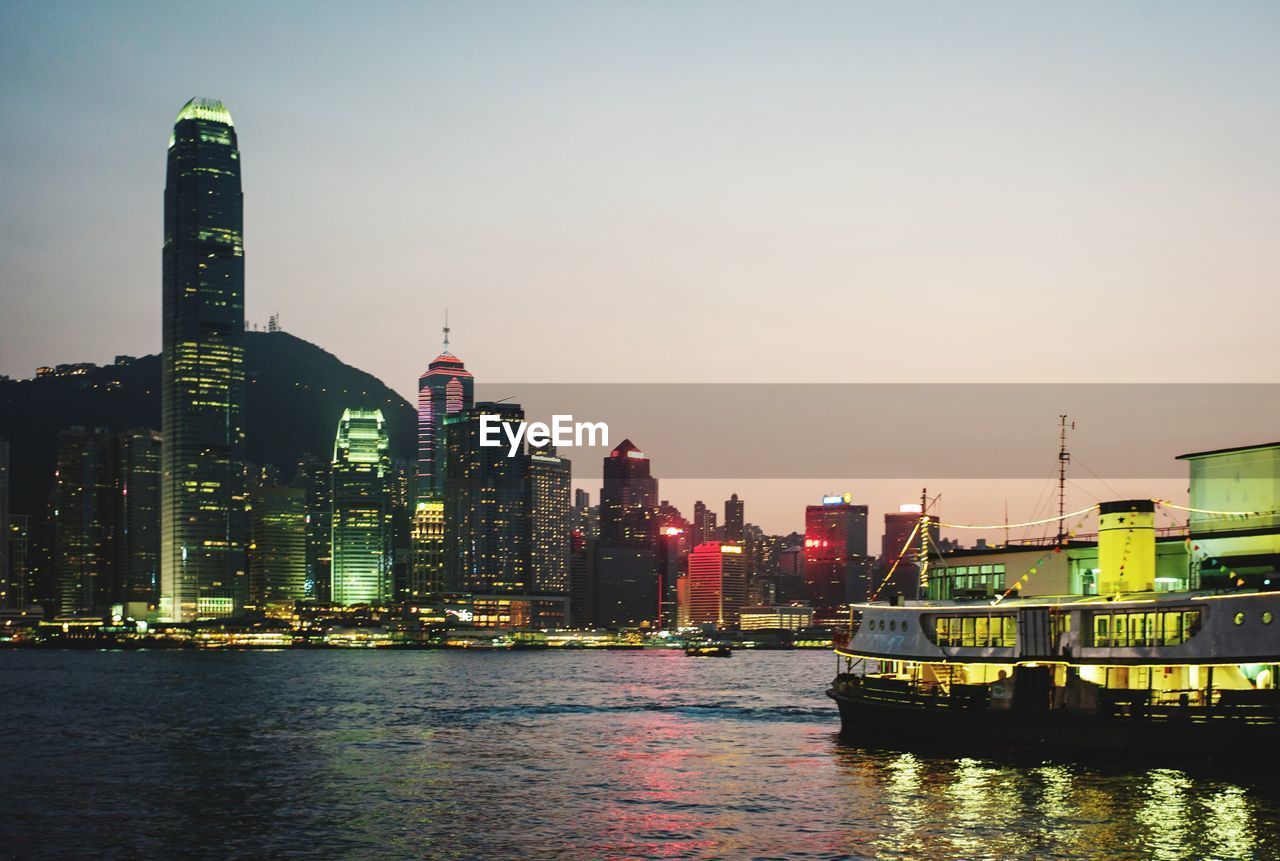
(953, 630)
(1120, 634)
(1101, 630)
(1171, 633)
(940, 631)
(1190, 623)
(986, 569)
(892, 624)
(1266, 617)
(967, 631)
(983, 635)
(1239, 619)
(1010, 631)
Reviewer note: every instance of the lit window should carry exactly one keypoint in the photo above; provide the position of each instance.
(1239, 619)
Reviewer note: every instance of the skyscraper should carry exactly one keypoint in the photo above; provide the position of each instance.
(549, 526)
(703, 528)
(486, 507)
(716, 584)
(626, 573)
(629, 496)
(312, 476)
(445, 389)
(836, 567)
(895, 550)
(203, 519)
(278, 549)
(733, 519)
(361, 501)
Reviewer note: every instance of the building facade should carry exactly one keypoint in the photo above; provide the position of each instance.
(278, 546)
(717, 585)
(836, 567)
(361, 504)
(203, 515)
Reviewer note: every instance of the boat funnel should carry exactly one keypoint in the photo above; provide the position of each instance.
(1126, 546)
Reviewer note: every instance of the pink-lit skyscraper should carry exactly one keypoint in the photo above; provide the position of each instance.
(447, 388)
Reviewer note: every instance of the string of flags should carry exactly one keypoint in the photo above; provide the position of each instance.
(1035, 566)
(1067, 516)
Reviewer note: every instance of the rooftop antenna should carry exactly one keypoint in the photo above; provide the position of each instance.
(1064, 457)
(446, 330)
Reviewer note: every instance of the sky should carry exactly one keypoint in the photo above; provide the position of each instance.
(673, 192)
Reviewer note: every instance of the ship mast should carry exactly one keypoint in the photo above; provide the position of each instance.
(1064, 457)
(922, 558)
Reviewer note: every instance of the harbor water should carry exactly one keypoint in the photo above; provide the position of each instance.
(554, 754)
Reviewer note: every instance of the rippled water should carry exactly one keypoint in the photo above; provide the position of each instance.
(537, 755)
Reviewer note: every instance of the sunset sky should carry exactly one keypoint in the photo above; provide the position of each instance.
(674, 192)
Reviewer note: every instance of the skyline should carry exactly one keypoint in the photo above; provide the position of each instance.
(713, 201)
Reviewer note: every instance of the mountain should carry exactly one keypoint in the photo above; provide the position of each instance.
(296, 394)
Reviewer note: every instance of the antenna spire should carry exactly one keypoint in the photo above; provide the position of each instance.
(446, 330)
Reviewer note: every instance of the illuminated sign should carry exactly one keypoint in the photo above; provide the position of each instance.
(909, 508)
(730, 548)
(845, 499)
(671, 530)
(461, 614)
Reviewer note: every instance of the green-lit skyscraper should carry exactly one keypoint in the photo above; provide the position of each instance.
(362, 510)
(203, 522)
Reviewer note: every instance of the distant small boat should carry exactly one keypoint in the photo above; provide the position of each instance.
(708, 650)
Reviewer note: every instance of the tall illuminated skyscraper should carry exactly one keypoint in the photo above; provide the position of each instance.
(361, 498)
(445, 389)
(278, 552)
(549, 486)
(486, 507)
(836, 568)
(203, 527)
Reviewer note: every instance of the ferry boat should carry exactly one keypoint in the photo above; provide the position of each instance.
(1124, 665)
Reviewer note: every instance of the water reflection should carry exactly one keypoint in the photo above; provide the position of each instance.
(935, 808)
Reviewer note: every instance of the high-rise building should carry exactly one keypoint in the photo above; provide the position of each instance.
(671, 557)
(204, 521)
(78, 540)
(628, 497)
(278, 546)
(135, 513)
(445, 389)
(312, 477)
(548, 486)
(427, 576)
(895, 550)
(361, 501)
(703, 528)
(106, 519)
(582, 580)
(733, 519)
(486, 506)
(836, 568)
(8, 590)
(626, 578)
(20, 592)
(717, 584)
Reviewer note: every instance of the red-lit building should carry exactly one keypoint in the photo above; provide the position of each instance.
(716, 585)
(898, 527)
(836, 567)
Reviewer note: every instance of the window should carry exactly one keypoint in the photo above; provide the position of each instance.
(1266, 617)
(1167, 628)
(1239, 619)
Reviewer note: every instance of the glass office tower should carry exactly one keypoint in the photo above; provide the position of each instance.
(203, 519)
(361, 499)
